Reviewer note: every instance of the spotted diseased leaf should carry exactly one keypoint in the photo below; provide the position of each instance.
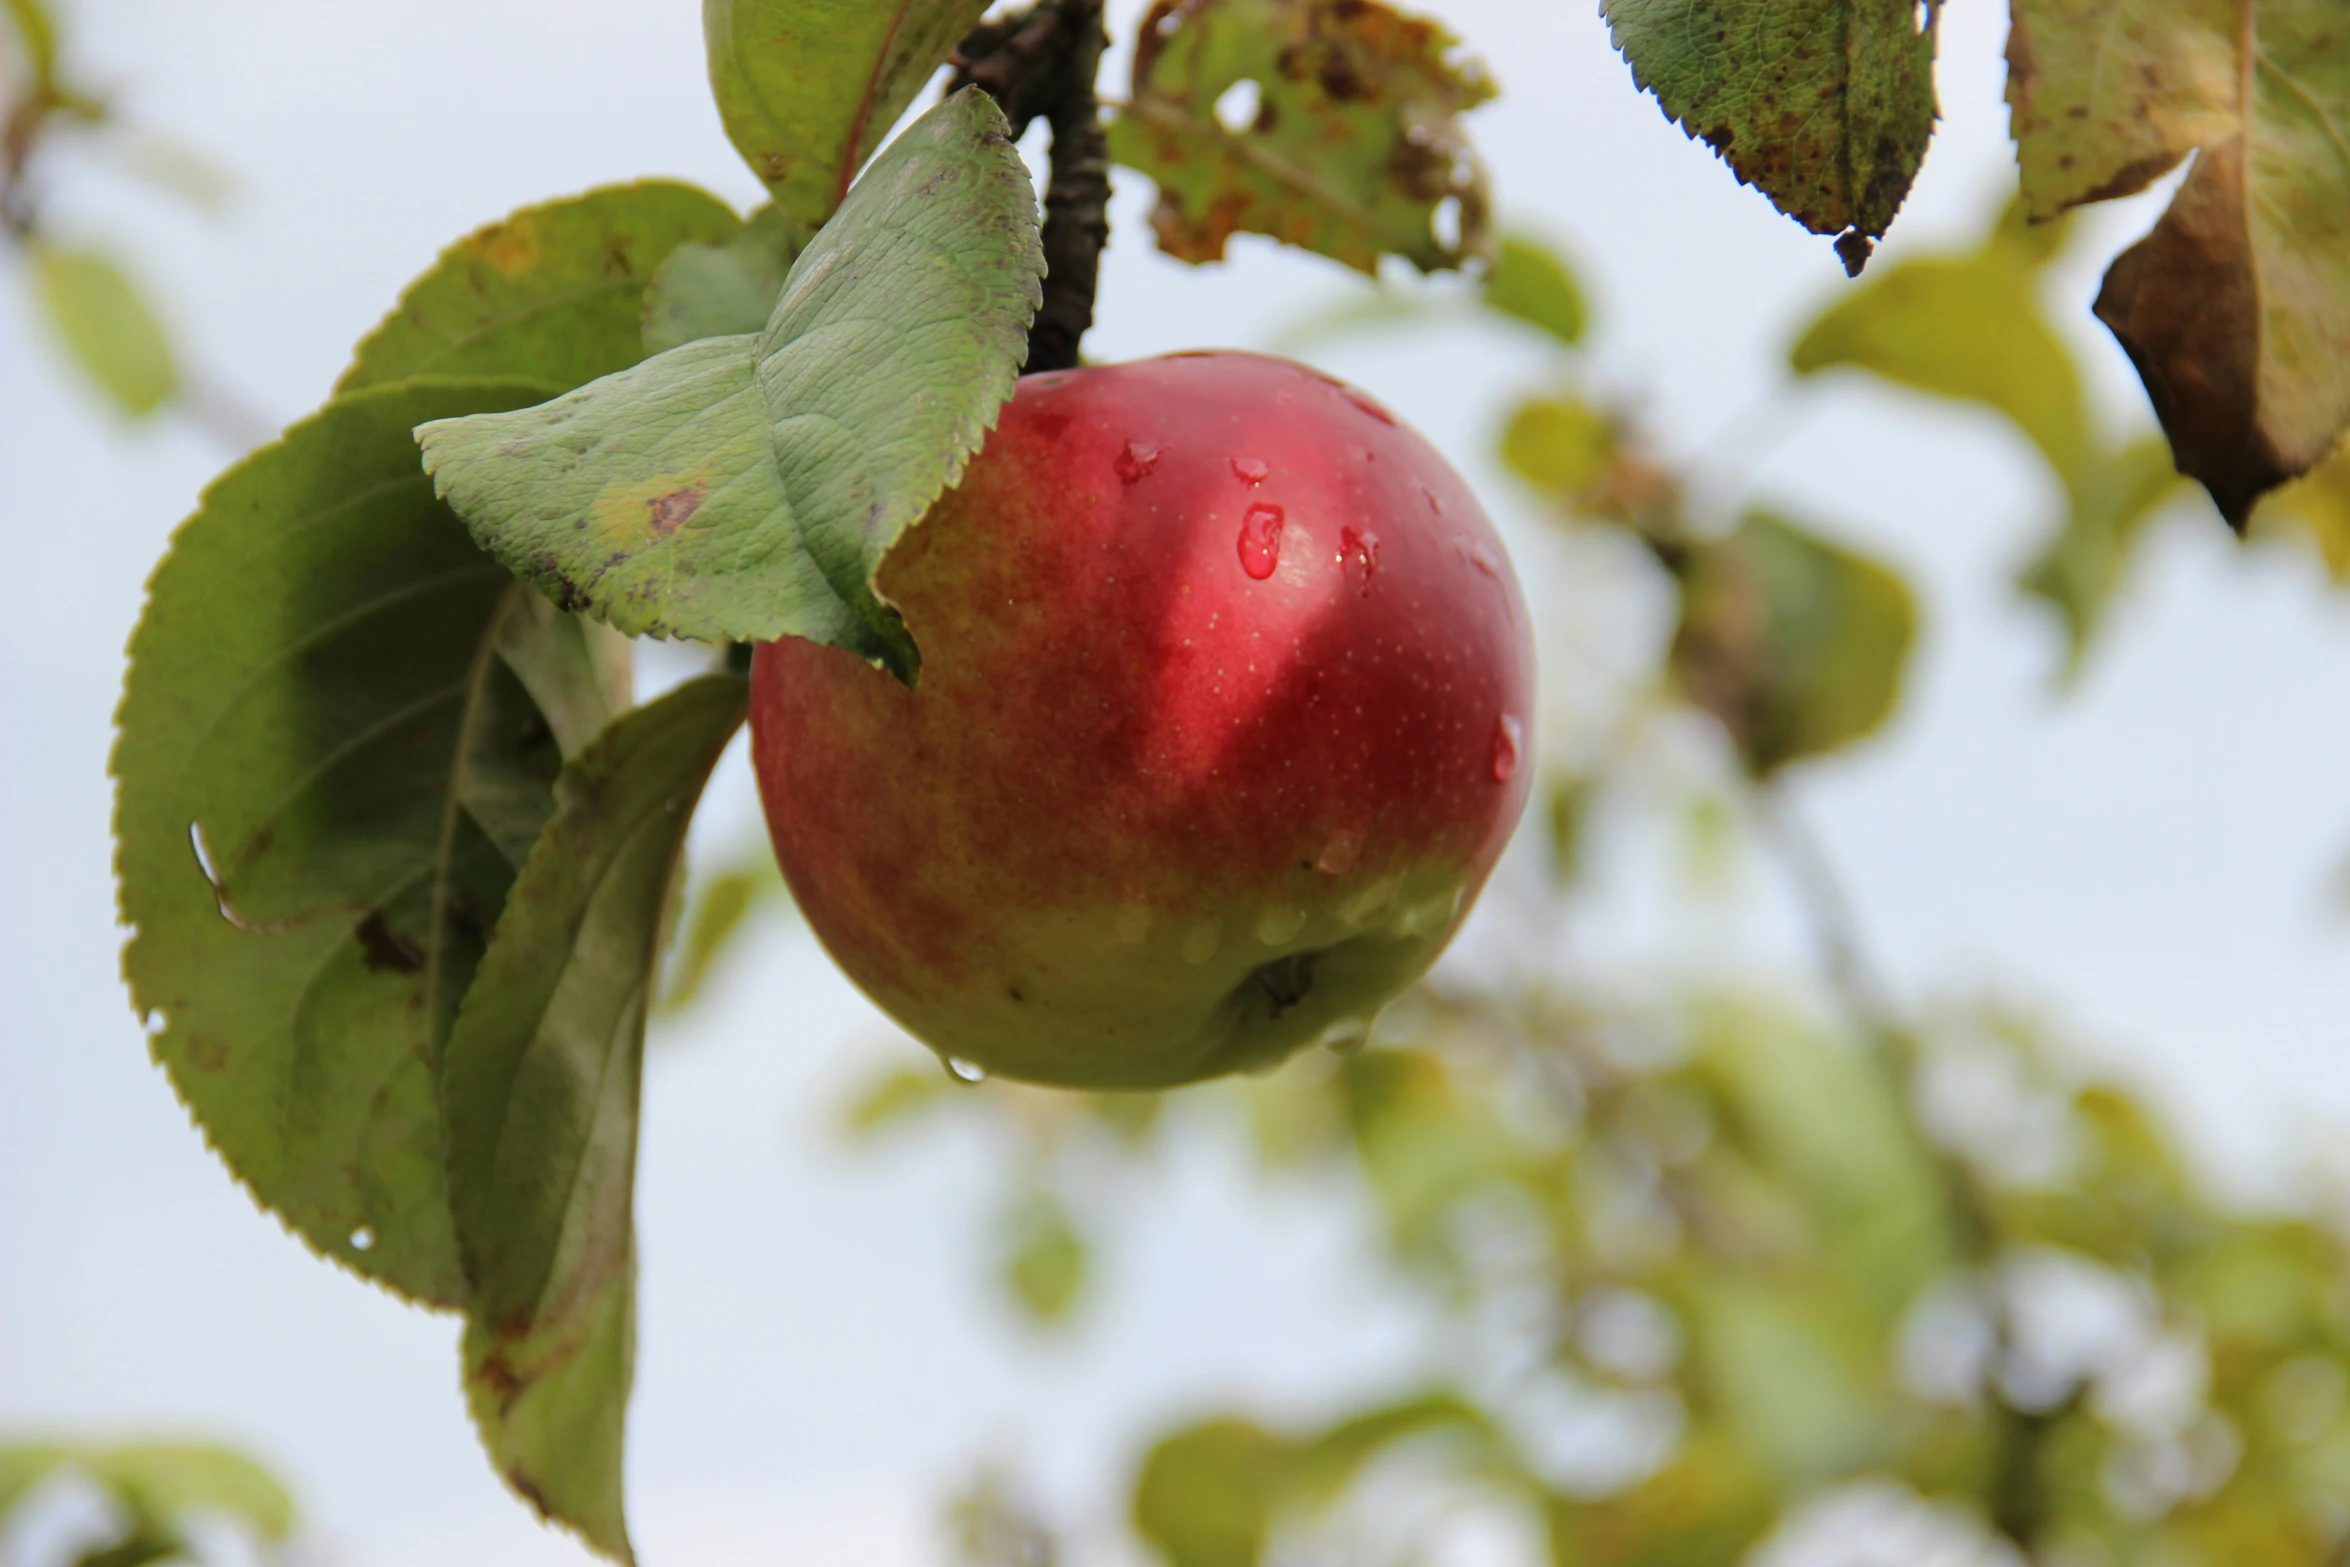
(553, 293)
(106, 326)
(541, 1088)
(1796, 645)
(1354, 149)
(722, 289)
(2236, 308)
(336, 744)
(1825, 106)
(748, 487)
(809, 88)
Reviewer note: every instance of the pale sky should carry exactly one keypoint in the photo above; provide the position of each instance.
(820, 1355)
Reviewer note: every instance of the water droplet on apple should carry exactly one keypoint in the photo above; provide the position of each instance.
(1136, 459)
(963, 1071)
(1509, 740)
(1338, 855)
(1358, 557)
(1201, 944)
(1486, 561)
(1260, 540)
(1346, 1036)
(1250, 471)
(1278, 925)
(1360, 909)
(1434, 504)
(1363, 401)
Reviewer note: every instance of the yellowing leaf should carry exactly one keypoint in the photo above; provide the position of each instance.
(1352, 147)
(1825, 106)
(106, 326)
(2236, 309)
(1559, 444)
(1795, 644)
(1206, 1495)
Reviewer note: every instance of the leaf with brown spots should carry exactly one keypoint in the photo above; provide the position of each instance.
(553, 293)
(338, 741)
(1825, 106)
(540, 1087)
(2236, 309)
(1353, 148)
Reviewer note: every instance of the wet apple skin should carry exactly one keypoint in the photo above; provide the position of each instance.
(1160, 807)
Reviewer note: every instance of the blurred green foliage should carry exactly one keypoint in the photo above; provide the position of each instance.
(151, 1493)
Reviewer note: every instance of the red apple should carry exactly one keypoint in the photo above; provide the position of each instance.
(1222, 722)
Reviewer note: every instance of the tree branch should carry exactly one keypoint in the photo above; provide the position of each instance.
(1040, 64)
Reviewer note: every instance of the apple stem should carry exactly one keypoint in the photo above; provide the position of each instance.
(1041, 63)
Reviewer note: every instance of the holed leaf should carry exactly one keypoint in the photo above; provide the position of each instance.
(1967, 326)
(808, 88)
(749, 487)
(1354, 145)
(1795, 644)
(551, 294)
(2236, 309)
(541, 1088)
(1825, 106)
(723, 289)
(106, 325)
(337, 740)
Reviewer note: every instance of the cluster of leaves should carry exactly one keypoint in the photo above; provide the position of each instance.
(2236, 309)
(397, 850)
(150, 1494)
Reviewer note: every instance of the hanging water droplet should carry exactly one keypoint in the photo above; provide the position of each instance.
(1201, 944)
(1260, 540)
(1249, 471)
(1136, 459)
(1278, 925)
(963, 1071)
(1509, 739)
(1358, 557)
(362, 1239)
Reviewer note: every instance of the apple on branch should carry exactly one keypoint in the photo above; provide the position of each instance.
(1222, 723)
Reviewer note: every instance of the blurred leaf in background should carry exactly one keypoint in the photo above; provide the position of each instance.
(150, 1493)
(105, 325)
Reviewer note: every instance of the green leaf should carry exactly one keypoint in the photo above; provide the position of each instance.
(1569, 820)
(337, 740)
(1044, 1256)
(106, 326)
(894, 1097)
(724, 289)
(552, 294)
(2236, 308)
(23, 1466)
(163, 1482)
(749, 487)
(1207, 1494)
(1331, 1462)
(36, 36)
(2081, 566)
(1559, 444)
(1354, 146)
(1795, 644)
(809, 88)
(1967, 326)
(1532, 284)
(541, 1087)
(720, 905)
(1791, 1376)
(1825, 106)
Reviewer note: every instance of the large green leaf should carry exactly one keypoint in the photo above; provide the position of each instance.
(1967, 326)
(808, 88)
(2236, 309)
(723, 289)
(749, 487)
(552, 294)
(1825, 106)
(541, 1088)
(1354, 145)
(337, 740)
(1795, 644)
(106, 325)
